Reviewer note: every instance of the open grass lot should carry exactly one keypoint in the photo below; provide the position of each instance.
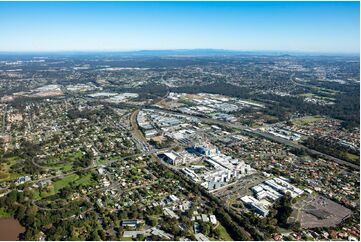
(253, 101)
(125, 239)
(327, 91)
(269, 118)
(62, 162)
(110, 159)
(64, 182)
(224, 234)
(65, 166)
(5, 169)
(84, 180)
(101, 161)
(55, 187)
(323, 90)
(306, 120)
(307, 94)
(329, 95)
(9, 176)
(352, 157)
(36, 195)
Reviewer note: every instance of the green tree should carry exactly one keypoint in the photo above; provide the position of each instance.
(140, 237)
(284, 210)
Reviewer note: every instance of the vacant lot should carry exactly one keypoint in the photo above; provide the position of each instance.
(306, 120)
(318, 211)
(6, 172)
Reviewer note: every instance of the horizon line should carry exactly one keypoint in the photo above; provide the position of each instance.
(180, 49)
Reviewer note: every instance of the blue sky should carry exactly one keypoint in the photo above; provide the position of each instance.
(279, 26)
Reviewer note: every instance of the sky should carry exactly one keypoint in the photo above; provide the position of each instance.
(122, 26)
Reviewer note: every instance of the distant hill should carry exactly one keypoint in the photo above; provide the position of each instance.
(175, 52)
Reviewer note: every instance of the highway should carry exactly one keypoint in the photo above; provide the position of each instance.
(3, 126)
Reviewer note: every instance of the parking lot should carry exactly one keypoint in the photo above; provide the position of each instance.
(318, 211)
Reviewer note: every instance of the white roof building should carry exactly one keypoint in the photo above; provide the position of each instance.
(213, 219)
(170, 156)
(200, 237)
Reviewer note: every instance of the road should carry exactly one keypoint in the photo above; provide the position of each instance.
(3, 127)
(137, 134)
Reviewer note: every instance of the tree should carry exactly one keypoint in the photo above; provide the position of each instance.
(205, 228)
(29, 234)
(284, 210)
(102, 234)
(12, 197)
(65, 192)
(216, 233)
(153, 221)
(20, 213)
(295, 226)
(94, 235)
(140, 237)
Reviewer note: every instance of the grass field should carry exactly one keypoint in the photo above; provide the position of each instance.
(253, 101)
(283, 230)
(36, 195)
(306, 120)
(125, 239)
(84, 181)
(328, 98)
(354, 158)
(59, 166)
(6, 174)
(325, 91)
(57, 185)
(67, 167)
(269, 118)
(63, 162)
(224, 234)
(308, 94)
(64, 182)
(101, 162)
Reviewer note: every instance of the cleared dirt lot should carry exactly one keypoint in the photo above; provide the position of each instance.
(318, 211)
(232, 194)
